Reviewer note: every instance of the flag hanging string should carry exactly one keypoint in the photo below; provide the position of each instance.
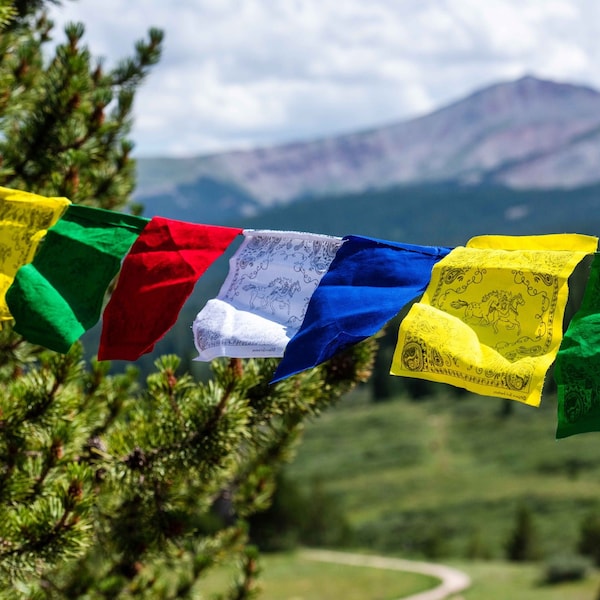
(487, 316)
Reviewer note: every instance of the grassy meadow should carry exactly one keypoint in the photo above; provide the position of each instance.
(502, 581)
(290, 576)
(444, 477)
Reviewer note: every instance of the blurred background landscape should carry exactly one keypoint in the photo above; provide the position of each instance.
(496, 129)
(406, 467)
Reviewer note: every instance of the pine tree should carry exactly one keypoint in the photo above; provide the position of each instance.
(522, 543)
(112, 487)
(589, 537)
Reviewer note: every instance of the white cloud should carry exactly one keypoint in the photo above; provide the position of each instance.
(239, 73)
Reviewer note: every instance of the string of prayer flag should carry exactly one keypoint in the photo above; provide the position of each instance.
(577, 368)
(491, 319)
(58, 296)
(157, 277)
(487, 317)
(262, 302)
(24, 219)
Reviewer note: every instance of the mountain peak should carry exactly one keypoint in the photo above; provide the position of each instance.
(532, 98)
(529, 132)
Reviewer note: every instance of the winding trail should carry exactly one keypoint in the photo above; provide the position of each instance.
(452, 580)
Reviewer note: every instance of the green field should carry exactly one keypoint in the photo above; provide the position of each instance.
(440, 478)
(292, 577)
(501, 581)
(444, 477)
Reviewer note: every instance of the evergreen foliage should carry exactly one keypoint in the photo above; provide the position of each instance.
(296, 517)
(566, 567)
(589, 537)
(112, 487)
(65, 121)
(522, 543)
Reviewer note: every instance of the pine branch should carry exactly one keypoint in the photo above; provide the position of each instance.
(110, 486)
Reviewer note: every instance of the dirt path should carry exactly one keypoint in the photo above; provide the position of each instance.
(452, 581)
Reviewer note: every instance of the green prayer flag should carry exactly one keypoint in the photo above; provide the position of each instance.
(59, 295)
(577, 368)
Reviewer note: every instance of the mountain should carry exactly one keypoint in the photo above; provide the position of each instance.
(523, 134)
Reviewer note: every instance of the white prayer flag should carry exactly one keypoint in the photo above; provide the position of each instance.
(263, 300)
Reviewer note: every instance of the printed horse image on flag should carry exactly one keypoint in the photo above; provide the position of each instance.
(491, 318)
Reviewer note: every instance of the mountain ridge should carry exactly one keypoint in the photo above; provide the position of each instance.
(523, 134)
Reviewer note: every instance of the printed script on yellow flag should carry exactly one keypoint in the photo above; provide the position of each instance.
(491, 318)
(24, 220)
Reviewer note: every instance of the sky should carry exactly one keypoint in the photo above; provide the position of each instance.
(241, 74)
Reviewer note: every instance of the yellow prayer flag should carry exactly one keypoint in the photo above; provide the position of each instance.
(24, 220)
(491, 319)
(572, 242)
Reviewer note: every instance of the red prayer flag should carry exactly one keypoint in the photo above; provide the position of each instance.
(157, 277)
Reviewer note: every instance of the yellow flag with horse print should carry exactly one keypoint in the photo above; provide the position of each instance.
(491, 318)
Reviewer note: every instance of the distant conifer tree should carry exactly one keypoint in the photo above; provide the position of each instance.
(111, 487)
(522, 542)
(589, 537)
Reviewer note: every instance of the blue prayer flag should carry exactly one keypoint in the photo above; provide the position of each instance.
(367, 284)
